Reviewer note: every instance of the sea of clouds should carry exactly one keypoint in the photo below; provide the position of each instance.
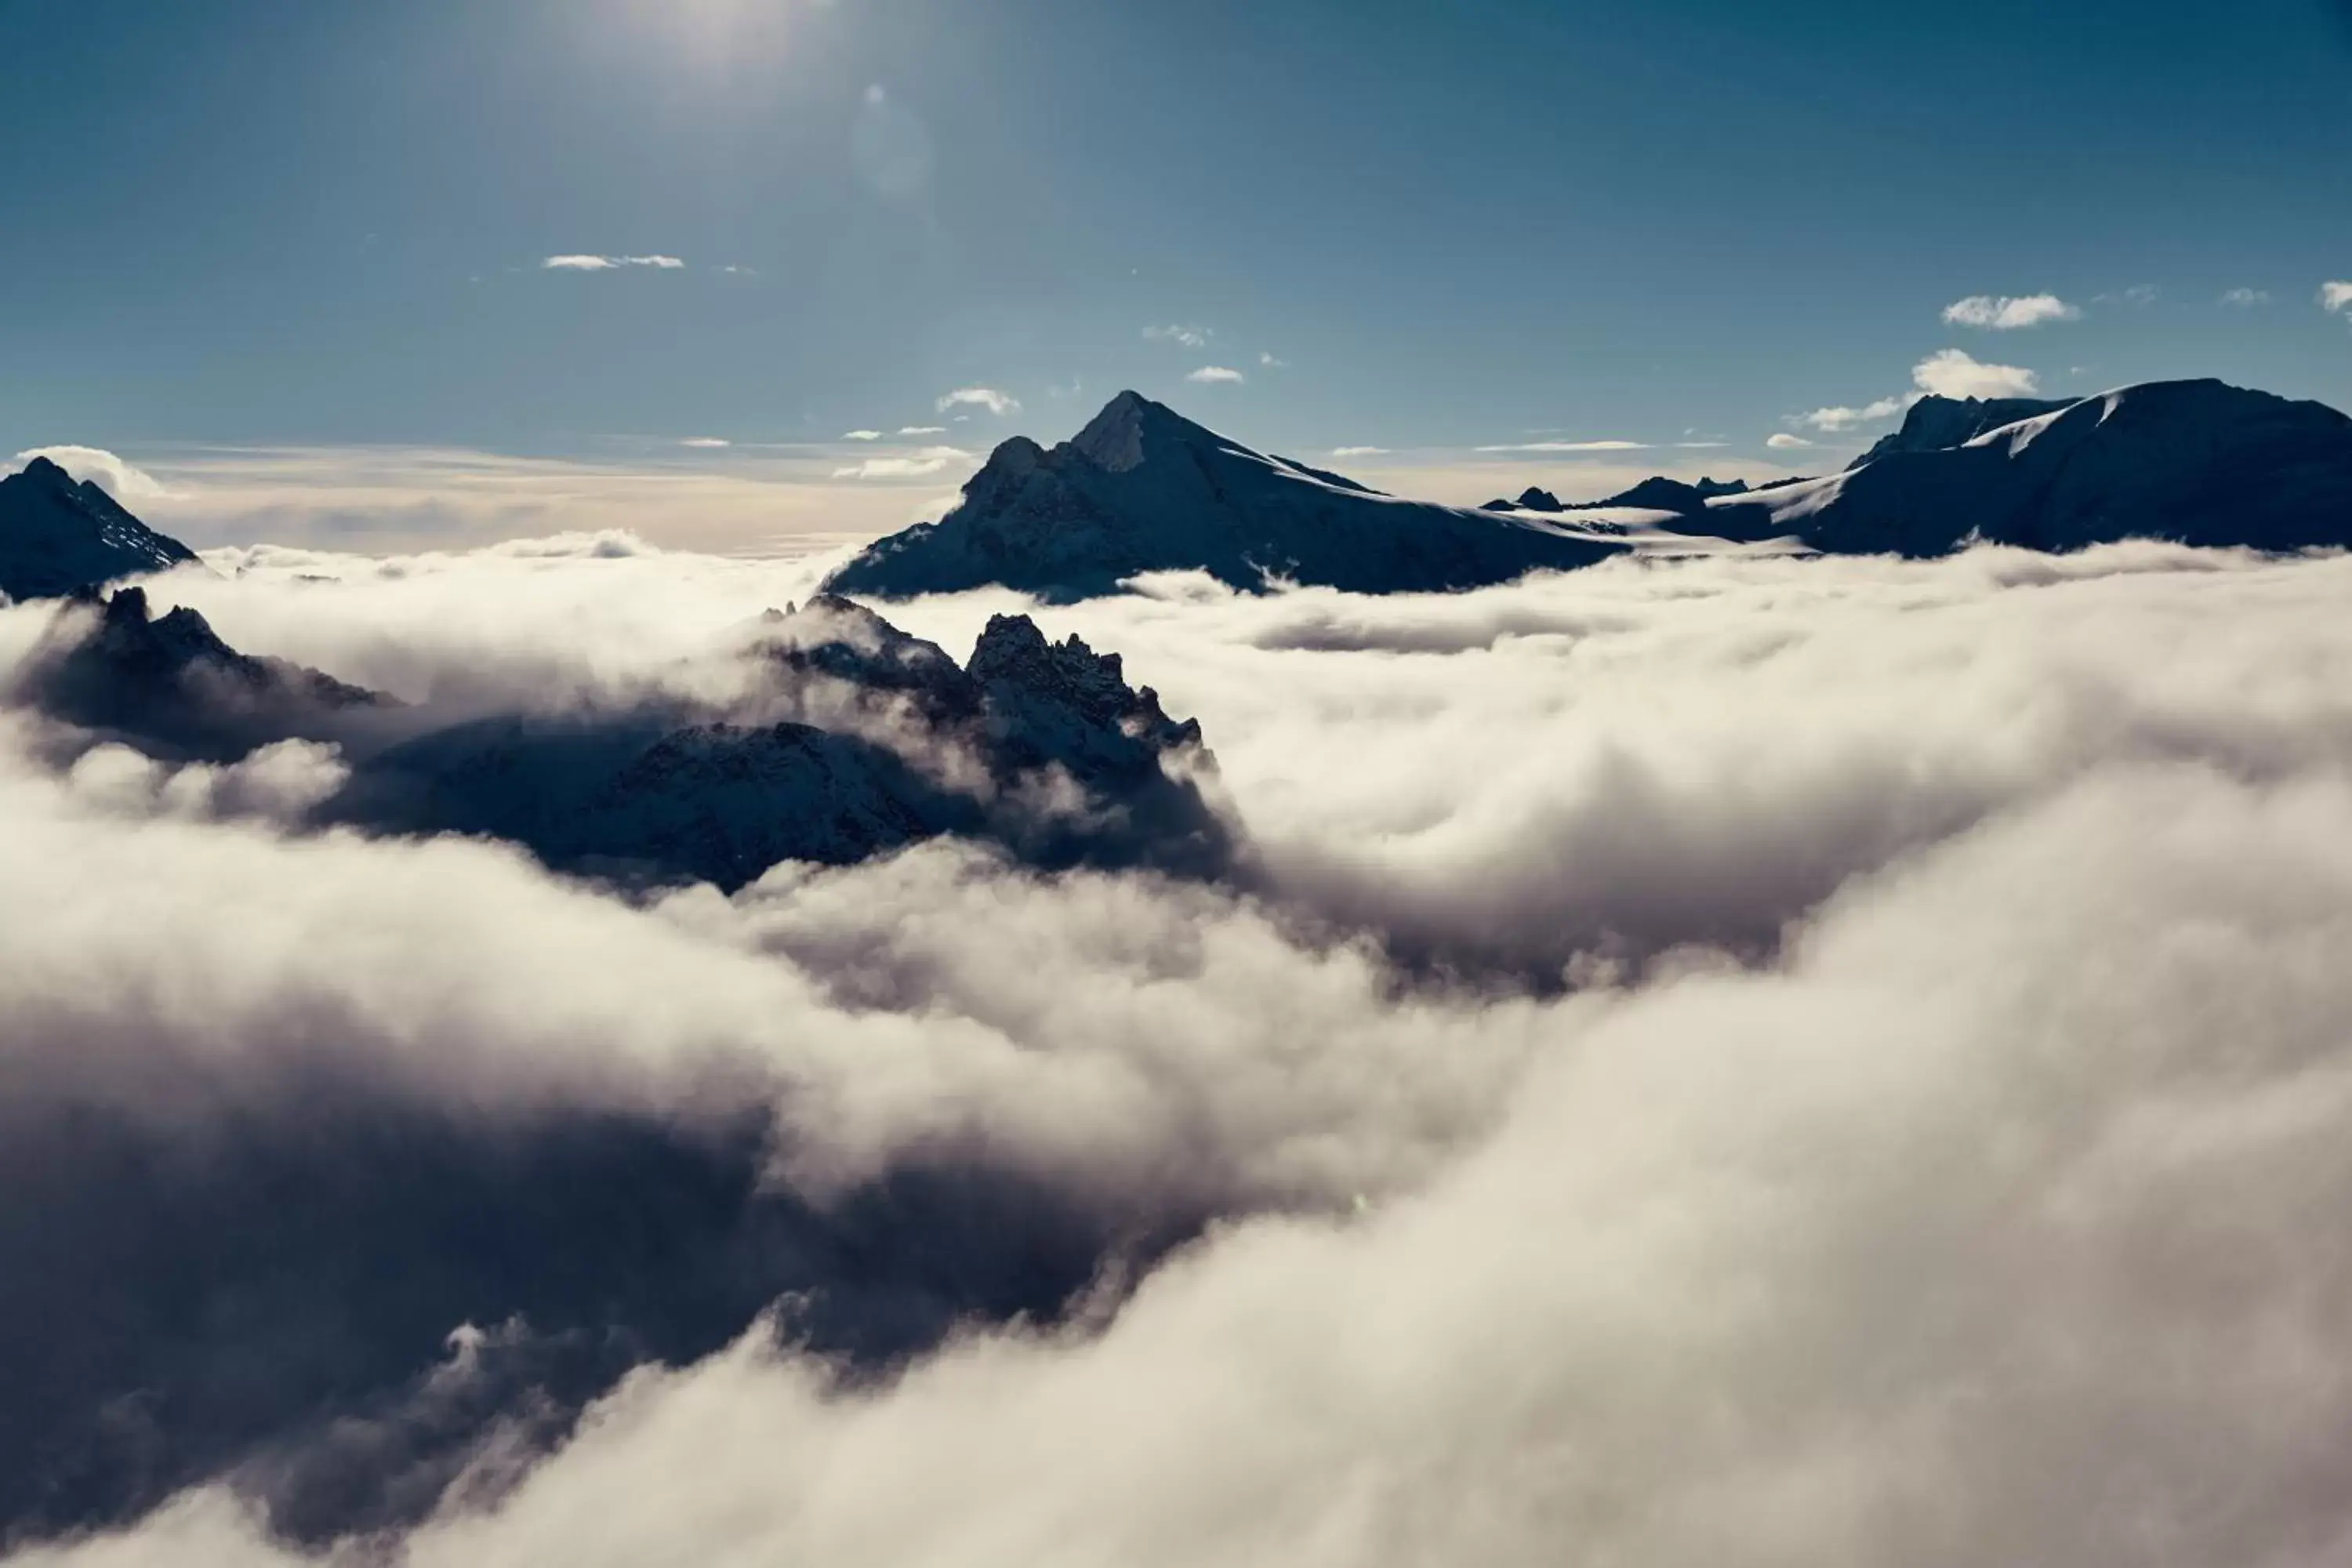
(1760, 1061)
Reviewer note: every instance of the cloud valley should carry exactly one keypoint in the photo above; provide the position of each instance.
(1772, 1060)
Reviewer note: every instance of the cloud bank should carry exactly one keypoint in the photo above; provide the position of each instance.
(1776, 1061)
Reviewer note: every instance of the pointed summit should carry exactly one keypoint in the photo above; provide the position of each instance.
(58, 537)
(1129, 428)
(1142, 489)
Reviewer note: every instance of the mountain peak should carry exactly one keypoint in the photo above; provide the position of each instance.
(1117, 439)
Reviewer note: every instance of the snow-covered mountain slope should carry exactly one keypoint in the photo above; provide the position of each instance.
(2197, 461)
(1141, 489)
(58, 536)
(850, 738)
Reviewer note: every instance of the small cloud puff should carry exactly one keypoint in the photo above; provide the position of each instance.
(1360, 451)
(997, 402)
(2334, 297)
(2002, 313)
(707, 442)
(2245, 299)
(1216, 374)
(1190, 337)
(861, 435)
(1952, 372)
(1781, 441)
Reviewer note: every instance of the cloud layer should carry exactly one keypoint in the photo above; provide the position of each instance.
(1783, 1061)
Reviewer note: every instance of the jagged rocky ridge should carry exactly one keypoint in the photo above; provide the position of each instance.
(1142, 490)
(58, 536)
(851, 739)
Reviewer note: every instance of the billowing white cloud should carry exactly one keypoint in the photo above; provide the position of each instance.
(2002, 313)
(1954, 1036)
(1953, 373)
(997, 402)
(2334, 297)
(1781, 441)
(609, 263)
(1190, 337)
(1215, 374)
(125, 481)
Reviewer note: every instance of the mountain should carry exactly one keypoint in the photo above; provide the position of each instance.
(1141, 489)
(2196, 461)
(850, 739)
(1661, 494)
(1933, 424)
(171, 686)
(57, 536)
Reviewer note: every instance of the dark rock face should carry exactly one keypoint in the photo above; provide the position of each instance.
(857, 739)
(2194, 461)
(170, 685)
(58, 536)
(1142, 490)
(1933, 424)
(1661, 494)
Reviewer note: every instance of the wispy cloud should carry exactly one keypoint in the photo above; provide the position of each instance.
(1360, 451)
(2002, 313)
(2245, 299)
(861, 435)
(1953, 373)
(912, 465)
(124, 481)
(706, 443)
(1190, 337)
(1781, 441)
(922, 429)
(1842, 418)
(1215, 374)
(2335, 297)
(1699, 445)
(997, 402)
(1569, 446)
(1273, 362)
(609, 263)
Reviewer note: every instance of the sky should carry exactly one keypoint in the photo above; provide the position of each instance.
(744, 274)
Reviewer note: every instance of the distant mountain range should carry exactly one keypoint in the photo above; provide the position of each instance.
(1143, 489)
(57, 536)
(853, 739)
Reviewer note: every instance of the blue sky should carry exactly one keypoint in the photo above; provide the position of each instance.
(261, 248)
